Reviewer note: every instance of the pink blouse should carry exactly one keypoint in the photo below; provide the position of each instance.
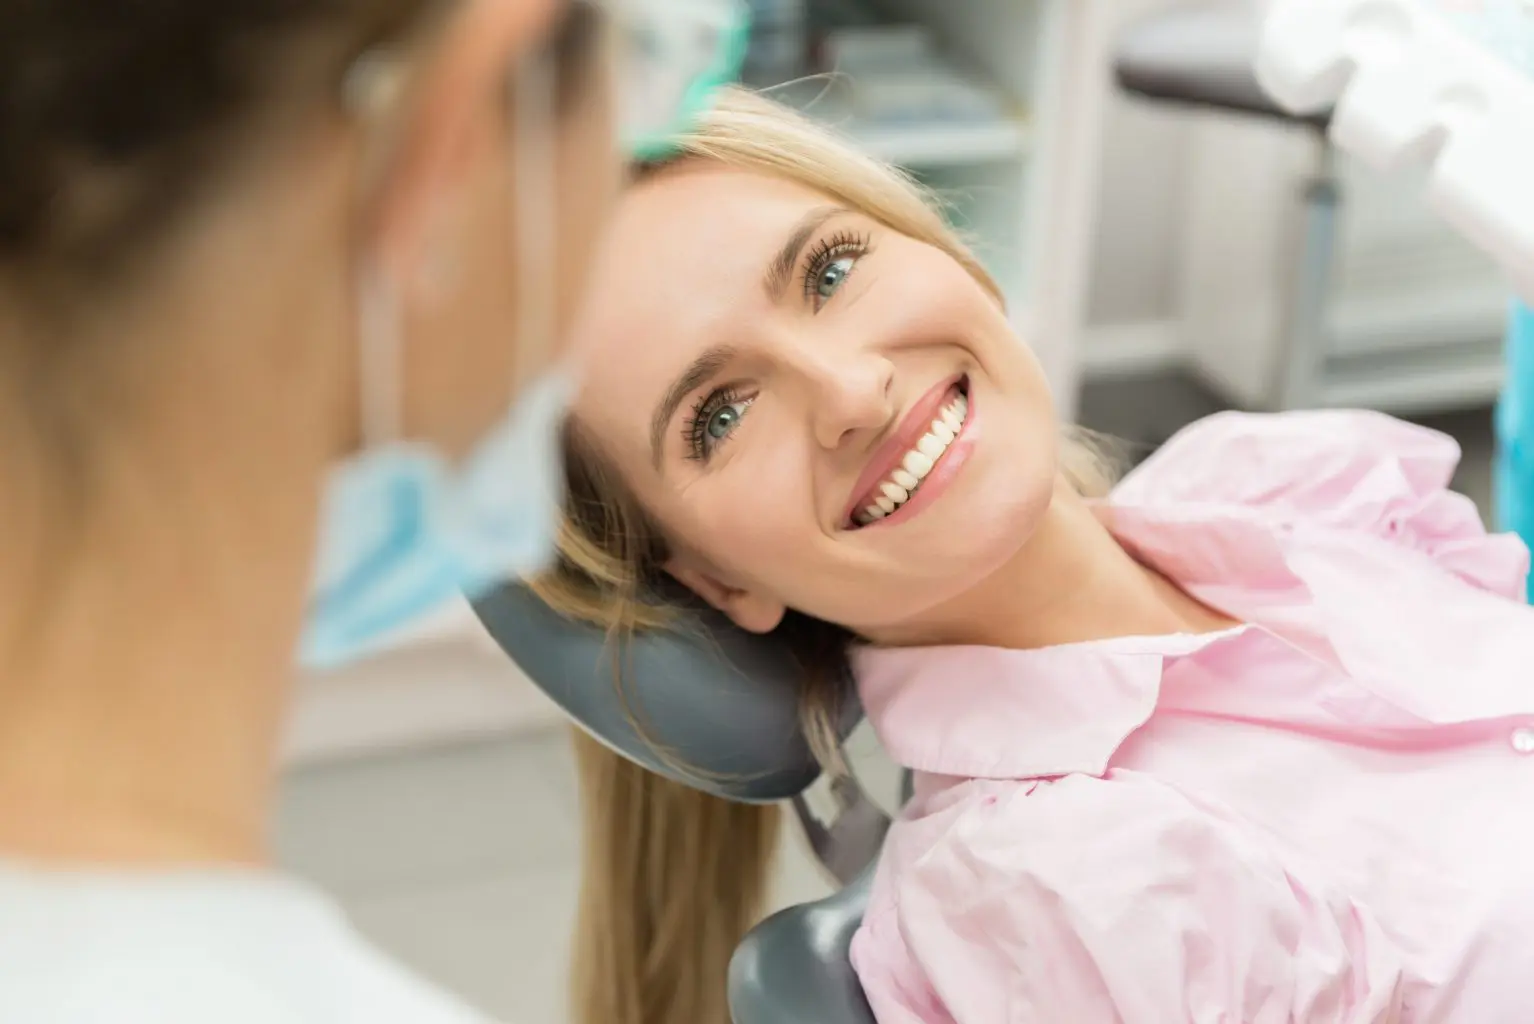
(1324, 815)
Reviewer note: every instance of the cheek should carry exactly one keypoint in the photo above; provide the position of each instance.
(928, 295)
(756, 519)
(1016, 461)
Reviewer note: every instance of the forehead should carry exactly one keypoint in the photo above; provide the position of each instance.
(681, 270)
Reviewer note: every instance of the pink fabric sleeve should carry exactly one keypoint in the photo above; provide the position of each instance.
(1119, 900)
(1358, 470)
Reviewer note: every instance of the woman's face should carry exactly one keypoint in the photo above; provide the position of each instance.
(820, 413)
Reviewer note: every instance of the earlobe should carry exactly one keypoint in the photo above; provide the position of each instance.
(749, 610)
(458, 88)
(754, 613)
(418, 210)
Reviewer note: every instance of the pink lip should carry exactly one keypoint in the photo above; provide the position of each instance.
(890, 455)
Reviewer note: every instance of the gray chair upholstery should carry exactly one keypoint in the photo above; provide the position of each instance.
(1200, 55)
(794, 969)
(705, 703)
(723, 706)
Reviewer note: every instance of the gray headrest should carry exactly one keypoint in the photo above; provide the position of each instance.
(723, 703)
(1201, 54)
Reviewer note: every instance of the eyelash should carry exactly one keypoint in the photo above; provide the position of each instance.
(828, 250)
(697, 422)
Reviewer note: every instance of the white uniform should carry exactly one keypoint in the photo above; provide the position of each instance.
(195, 948)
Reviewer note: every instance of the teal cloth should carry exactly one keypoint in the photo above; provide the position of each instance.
(1515, 432)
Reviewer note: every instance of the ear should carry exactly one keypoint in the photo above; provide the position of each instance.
(751, 611)
(459, 87)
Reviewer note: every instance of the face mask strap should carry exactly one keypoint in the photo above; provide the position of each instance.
(536, 231)
(380, 358)
(370, 90)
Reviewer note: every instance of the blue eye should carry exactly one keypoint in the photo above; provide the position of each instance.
(725, 420)
(832, 262)
(714, 421)
(833, 275)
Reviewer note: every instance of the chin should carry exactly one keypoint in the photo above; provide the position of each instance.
(981, 503)
(988, 533)
(955, 547)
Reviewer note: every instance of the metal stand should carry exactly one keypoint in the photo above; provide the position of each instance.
(1302, 353)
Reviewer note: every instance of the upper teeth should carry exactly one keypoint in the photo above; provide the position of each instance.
(898, 487)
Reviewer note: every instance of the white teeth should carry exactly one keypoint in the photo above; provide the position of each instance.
(918, 465)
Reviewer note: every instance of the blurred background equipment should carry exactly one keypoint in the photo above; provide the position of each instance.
(1412, 321)
(1203, 56)
(1515, 432)
(1445, 87)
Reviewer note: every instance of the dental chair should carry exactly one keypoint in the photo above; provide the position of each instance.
(723, 707)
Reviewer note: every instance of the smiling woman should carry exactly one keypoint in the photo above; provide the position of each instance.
(750, 321)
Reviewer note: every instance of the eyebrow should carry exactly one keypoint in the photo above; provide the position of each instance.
(782, 266)
(698, 373)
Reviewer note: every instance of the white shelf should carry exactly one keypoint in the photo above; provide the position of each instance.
(444, 682)
(1460, 388)
(911, 141)
(1411, 382)
(928, 146)
(1417, 315)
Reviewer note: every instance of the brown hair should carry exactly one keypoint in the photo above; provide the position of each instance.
(112, 114)
(673, 877)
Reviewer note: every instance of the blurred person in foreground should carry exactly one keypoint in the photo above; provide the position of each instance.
(281, 288)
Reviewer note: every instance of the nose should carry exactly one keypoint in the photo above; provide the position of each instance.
(849, 394)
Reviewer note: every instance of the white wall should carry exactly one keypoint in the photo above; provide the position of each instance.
(1144, 169)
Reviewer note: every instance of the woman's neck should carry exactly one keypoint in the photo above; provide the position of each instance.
(1071, 583)
(159, 518)
(135, 726)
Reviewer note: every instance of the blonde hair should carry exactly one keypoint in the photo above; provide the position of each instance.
(672, 878)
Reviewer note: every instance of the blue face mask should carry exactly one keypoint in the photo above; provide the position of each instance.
(404, 531)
